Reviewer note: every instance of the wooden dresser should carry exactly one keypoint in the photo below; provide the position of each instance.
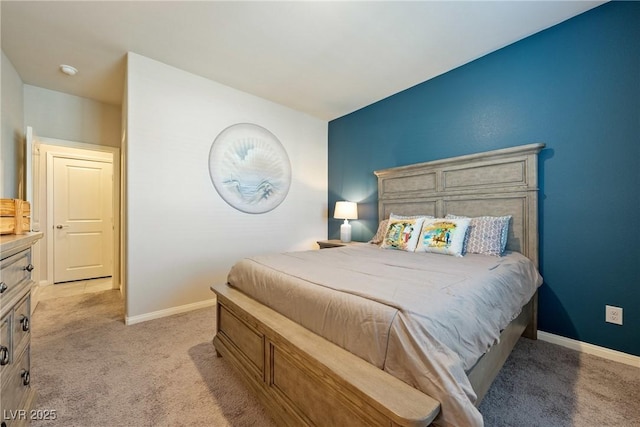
(16, 395)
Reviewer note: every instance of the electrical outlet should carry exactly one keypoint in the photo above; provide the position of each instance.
(613, 314)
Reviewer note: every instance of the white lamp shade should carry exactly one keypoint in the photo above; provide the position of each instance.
(346, 210)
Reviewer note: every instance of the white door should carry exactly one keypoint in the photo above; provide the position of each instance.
(82, 219)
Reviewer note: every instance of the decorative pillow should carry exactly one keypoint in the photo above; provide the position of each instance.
(382, 229)
(402, 234)
(487, 235)
(443, 236)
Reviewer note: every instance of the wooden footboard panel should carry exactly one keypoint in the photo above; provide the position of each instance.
(303, 379)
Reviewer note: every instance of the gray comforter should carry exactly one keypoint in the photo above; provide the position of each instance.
(424, 318)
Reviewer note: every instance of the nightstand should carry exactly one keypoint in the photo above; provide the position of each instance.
(325, 244)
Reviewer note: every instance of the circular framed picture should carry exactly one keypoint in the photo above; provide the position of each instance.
(249, 168)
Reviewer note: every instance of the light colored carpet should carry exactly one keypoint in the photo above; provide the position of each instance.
(95, 371)
(545, 385)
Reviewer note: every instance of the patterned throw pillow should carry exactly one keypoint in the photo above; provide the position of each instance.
(402, 234)
(487, 235)
(443, 236)
(382, 229)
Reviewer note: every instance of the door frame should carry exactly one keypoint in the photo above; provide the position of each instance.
(48, 149)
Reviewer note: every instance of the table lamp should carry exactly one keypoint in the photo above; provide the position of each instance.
(346, 210)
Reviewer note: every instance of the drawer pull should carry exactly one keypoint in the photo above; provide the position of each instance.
(4, 355)
(26, 378)
(24, 320)
(29, 267)
(3, 287)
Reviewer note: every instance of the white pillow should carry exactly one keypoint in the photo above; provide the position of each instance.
(443, 236)
(402, 234)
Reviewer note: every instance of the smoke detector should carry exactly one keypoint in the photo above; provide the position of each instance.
(68, 70)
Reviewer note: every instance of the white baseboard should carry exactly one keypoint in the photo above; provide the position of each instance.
(606, 353)
(35, 297)
(35, 294)
(169, 311)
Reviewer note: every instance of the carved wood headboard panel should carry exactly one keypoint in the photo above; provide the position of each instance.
(495, 183)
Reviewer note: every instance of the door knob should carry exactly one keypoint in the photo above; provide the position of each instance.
(60, 226)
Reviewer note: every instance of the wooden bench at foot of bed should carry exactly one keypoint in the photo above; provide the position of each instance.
(303, 379)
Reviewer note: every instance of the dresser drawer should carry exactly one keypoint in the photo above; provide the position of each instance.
(21, 324)
(5, 342)
(16, 383)
(17, 396)
(15, 269)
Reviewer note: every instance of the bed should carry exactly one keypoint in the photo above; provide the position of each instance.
(307, 372)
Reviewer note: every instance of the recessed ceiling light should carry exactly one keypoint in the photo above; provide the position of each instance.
(68, 70)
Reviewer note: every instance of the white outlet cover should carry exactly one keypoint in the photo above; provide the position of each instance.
(613, 314)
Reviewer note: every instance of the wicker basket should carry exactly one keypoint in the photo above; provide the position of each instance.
(15, 216)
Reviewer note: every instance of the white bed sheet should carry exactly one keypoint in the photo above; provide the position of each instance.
(424, 318)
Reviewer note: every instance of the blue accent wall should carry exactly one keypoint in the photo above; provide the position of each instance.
(575, 87)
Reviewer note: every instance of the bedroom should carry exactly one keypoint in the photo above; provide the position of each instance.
(582, 102)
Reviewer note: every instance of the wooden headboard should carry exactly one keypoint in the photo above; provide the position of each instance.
(494, 183)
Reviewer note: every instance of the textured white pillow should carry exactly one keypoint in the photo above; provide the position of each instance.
(402, 234)
(487, 235)
(443, 236)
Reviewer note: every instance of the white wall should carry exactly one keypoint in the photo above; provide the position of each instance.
(182, 236)
(62, 116)
(12, 136)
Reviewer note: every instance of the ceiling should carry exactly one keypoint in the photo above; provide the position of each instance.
(323, 58)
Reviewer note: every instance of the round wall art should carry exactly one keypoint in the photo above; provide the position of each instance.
(249, 168)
